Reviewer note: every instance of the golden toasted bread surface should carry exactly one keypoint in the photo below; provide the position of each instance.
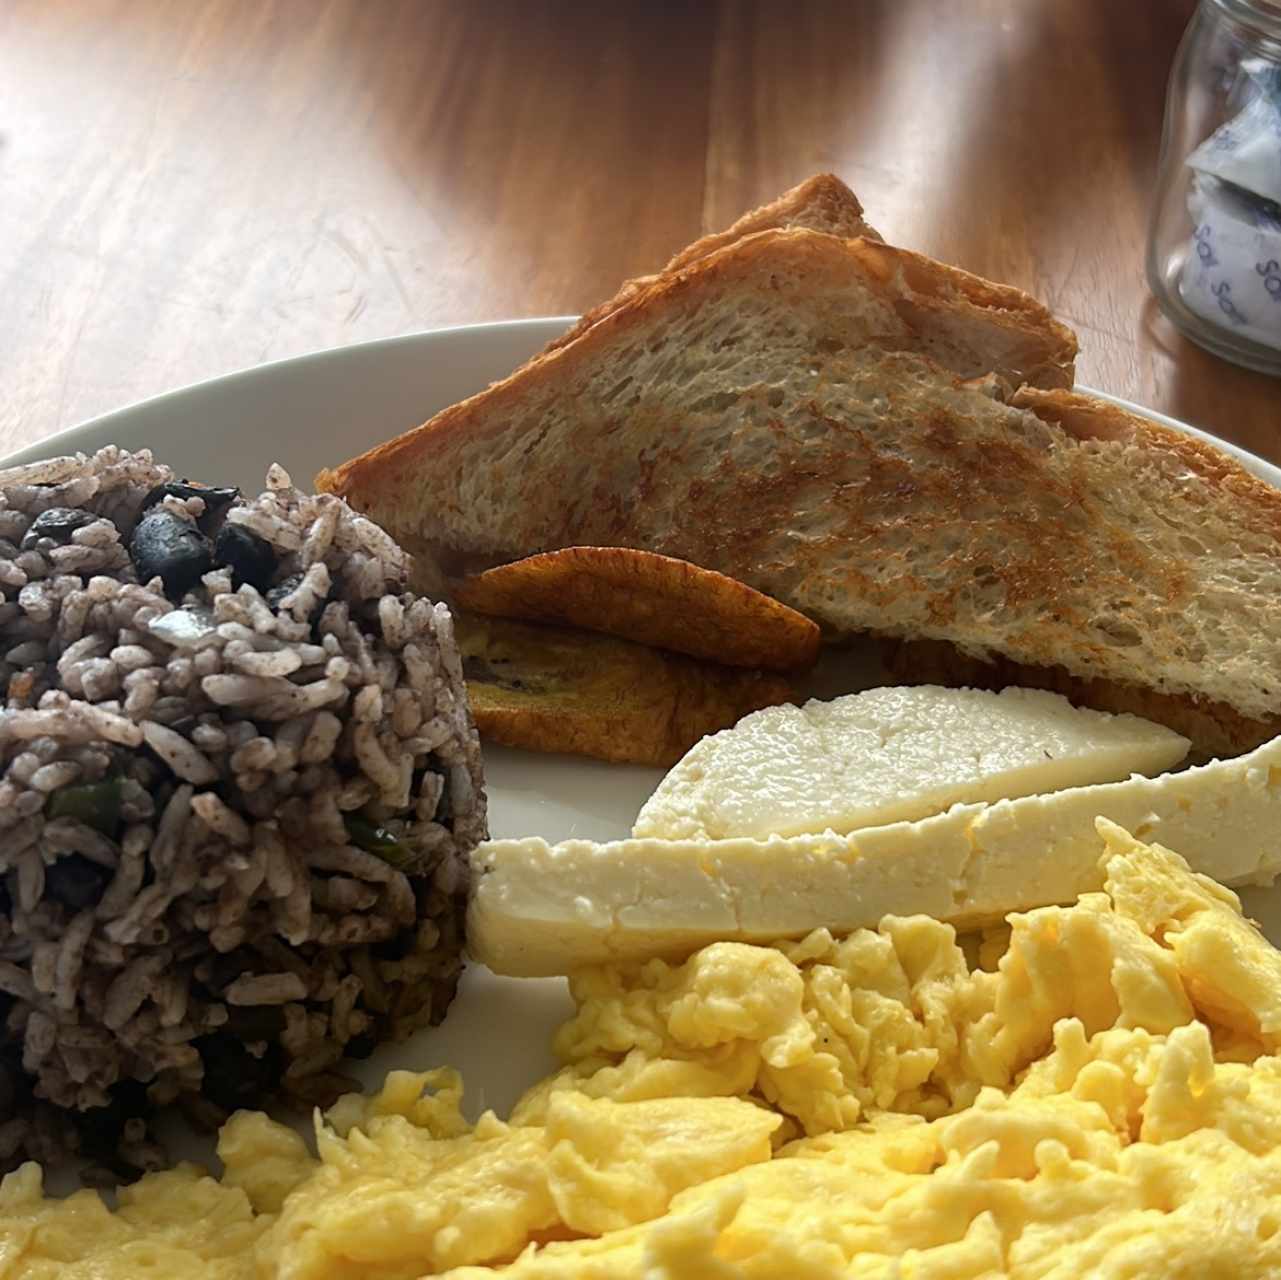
(783, 303)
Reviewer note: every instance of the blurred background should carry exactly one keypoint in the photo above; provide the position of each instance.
(194, 186)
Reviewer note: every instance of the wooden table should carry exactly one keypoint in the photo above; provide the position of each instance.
(193, 186)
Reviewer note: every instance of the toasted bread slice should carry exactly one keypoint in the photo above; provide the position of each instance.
(770, 412)
(1225, 527)
(554, 689)
(820, 203)
(651, 599)
(765, 322)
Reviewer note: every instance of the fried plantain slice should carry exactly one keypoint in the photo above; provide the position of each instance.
(554, 689)
(652, 599)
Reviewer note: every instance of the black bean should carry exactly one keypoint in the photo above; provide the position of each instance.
(234, 1078)
(217, 501)
(57, 524)
(165, 546)
(250, 558)
(75, 881)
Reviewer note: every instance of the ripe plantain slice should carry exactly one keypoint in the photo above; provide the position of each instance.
(652, 599)
(553, 689)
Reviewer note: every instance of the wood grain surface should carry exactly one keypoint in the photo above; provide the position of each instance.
(193, 186)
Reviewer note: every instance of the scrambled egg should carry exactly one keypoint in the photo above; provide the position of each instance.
(1100, 1095)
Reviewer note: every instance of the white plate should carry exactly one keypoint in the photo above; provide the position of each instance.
(316, 410)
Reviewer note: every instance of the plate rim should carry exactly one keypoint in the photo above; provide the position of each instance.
(64, 437)
(69, 439)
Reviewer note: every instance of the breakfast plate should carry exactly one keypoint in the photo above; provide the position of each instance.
(311, 411)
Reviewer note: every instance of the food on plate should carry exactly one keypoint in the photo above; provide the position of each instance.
(820, 203)
(892, 755)
(1225, 590)
(1102, 1096)
(238, 781)
(539, 908)
(789, 410)
(704, 411)
(1214, 728)
(651, 599)
(557, 689)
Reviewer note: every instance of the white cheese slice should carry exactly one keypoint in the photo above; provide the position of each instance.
(547, 909)
(894, 755)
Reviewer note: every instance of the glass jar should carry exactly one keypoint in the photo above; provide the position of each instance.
(1214, 245)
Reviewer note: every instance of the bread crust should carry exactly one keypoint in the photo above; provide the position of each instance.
(1087, 417)
(821, 203)
(1047, 348)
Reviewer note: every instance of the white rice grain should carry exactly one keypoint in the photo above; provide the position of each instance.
(283, 662)
(219, 818)
(186, 760)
